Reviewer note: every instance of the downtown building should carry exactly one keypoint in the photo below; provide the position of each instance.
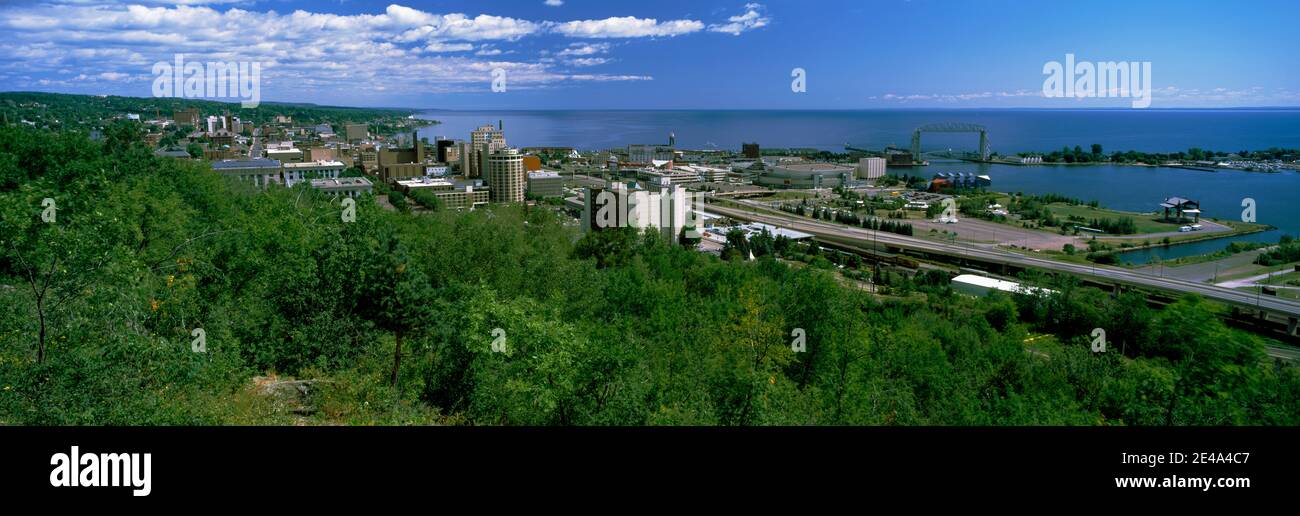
(667, 211)
(344, 186)
(467, 195)
(506, 176)
(648, 153)
(296, 172)
(871, 168)
(806, 175)
(483, 142)
(259, 171)
(543, 184)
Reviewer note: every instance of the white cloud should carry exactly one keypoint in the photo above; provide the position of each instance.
(957, 97)
(588, 61)
(554, 3)
(627, 27)
(753, 18)
(438, 46)
(607, 78)
(405, 49)
(584, 49)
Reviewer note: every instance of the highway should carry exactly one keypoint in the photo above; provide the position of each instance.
(993, 255)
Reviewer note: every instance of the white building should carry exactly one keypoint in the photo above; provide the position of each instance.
(506, 177)
(646, 153)
(663, 178)
(711, 174)
(295, 172)
(667, 210)
(806, 175)
(349, 186)
(974, 285)
(260, 171)
(871, 168)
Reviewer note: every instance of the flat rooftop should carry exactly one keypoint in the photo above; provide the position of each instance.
(342, 182)
(814, 167)
(231, 164)
(997, 284)
(755, 228)
(417, 182)
(313, 164)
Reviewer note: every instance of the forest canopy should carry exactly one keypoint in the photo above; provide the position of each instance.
(505, 315)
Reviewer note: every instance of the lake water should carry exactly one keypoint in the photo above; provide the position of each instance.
(1140, 189)
(1009, 130)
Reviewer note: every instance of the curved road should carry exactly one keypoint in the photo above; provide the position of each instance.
(993, 255)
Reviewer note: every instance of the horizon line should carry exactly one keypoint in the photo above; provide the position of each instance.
(875, 108)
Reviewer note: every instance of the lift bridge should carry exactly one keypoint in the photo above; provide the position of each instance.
(950, 127)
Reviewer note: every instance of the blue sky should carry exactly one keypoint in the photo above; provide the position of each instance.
(665, 54)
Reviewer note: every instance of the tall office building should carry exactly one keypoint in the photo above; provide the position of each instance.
(442, 144)
(493, 137)
(468, 163)
(483, 142)
(505, 176)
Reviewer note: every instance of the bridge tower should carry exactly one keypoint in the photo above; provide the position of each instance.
(985, 152)
(984, 145)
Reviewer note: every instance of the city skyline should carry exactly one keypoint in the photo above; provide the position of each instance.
(576, 54)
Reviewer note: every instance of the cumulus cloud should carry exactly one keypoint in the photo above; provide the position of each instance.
(627, 27)
(588, 61)
(584, 49)
(112, 47)
(554, 3)
(753, 18)
(438, 46)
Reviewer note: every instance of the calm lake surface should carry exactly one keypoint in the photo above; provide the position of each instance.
(1140, 189)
